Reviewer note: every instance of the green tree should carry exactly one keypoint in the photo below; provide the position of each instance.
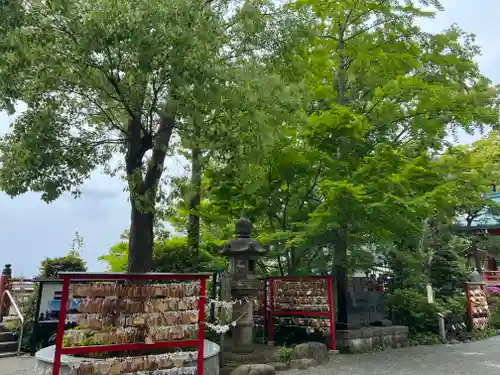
(172, 255)
(72, 262)
(436, 253)
(114, 77)
(381, 97)
(236, 144)
(385, 95)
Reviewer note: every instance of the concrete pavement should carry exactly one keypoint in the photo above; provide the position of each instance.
(24, 365)
(475, 358)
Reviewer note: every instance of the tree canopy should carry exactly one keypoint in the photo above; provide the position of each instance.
(328, 124)
(72, 262)
(115, 78)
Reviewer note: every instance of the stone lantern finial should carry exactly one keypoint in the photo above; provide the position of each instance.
(243, 228)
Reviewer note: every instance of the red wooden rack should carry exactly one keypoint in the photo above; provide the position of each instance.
(270, 312)
(469, 286)
(68, 277)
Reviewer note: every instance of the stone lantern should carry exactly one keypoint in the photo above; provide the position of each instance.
(243, 253)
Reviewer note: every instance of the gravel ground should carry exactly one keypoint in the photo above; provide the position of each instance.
(476, 358)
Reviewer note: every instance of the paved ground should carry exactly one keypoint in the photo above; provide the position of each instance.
(24, 365)
(477, 358)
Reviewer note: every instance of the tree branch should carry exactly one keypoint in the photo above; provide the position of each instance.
(311, 189)
(161, 143)
(107, 114)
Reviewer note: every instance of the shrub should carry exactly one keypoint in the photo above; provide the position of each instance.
(477, 334)
(425, 339)
(409, 307)
(72, 262)
(456, 318)
(494, 305)
(68, 263)
(282, 354)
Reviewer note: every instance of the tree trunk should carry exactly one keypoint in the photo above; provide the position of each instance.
(193, 231)
(143, 188)
(340, 264)
(474, 248)
(477, 255)
(141, 239)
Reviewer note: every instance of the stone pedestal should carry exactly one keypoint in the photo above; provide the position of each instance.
(243, 332)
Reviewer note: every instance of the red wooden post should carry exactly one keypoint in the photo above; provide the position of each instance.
(5, 280)
(271, 311)
(201, 332)
(191, 343)
(469, 304)
(265, 310)
(60, 326)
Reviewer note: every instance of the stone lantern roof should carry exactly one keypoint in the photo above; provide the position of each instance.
(243, 244)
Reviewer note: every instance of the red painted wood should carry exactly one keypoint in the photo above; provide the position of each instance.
(272, 313)
(68, 277)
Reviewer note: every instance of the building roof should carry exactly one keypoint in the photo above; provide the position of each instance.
(488, 218)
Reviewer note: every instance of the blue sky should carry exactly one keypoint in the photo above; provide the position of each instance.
(31, 230)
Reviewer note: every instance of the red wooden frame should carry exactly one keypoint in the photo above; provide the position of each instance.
(469, 302)
(269, 308)
(68, 277)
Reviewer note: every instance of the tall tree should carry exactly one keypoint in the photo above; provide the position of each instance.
(382, 97)
(249, 118)
(114, 77)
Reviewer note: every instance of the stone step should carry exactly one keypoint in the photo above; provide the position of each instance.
(8, 336)
(10, 318)
(8, 346)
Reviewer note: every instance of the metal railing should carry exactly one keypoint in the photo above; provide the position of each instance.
(18, 312)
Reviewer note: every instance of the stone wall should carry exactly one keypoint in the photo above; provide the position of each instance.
(371, 338)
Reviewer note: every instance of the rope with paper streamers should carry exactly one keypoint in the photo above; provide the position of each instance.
(217, 304)
(224, 307)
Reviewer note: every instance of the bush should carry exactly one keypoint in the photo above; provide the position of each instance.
(410, 308)
(483, 334)
(425, 339)
(282, 354)
(456, 306)
(494, 305)
(72, 262)
(173, 255)
(456, 317)
(68, 263)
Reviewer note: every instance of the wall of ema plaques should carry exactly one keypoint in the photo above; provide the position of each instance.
(117, 314)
